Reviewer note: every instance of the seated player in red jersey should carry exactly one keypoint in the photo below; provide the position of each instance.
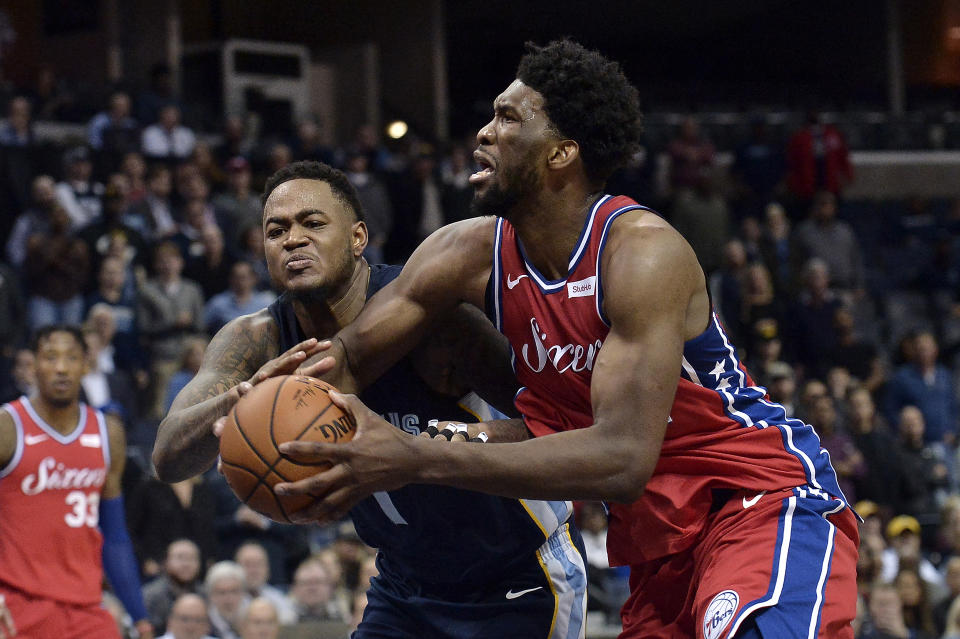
(63, 521)
(727, 511)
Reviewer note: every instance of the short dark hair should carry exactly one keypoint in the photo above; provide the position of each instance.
(588, 99)
(45, 332)
(312, 170)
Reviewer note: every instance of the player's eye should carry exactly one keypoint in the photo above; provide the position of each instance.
(275, 232)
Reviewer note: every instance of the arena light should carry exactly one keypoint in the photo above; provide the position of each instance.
(397, 129)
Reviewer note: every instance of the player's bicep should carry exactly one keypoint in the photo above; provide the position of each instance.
(8, 438)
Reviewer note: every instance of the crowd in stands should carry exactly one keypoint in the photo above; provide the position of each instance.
(148, 235)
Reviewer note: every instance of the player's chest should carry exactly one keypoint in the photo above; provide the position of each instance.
(54, 469)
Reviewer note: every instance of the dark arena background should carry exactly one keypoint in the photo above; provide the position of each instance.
(808, 151)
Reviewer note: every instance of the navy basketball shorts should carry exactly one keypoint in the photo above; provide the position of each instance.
(544, 598)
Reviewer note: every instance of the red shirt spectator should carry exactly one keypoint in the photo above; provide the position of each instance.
(817, 159)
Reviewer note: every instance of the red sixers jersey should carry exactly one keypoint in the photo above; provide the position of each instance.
(50, 545)
(723, 433)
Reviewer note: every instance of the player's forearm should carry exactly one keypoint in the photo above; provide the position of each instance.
(572, 465)
(186, 445)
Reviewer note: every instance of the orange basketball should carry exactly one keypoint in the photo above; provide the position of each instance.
(280, 409)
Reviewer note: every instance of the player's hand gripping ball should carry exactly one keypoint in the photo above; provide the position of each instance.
(279, 409)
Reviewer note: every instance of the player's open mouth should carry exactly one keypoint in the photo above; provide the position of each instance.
(486, 169)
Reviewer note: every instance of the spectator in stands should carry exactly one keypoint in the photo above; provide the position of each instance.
(775, 247)
(342, 595)
(212, 267)
(847, 460)
(116, 289)
(701, 215)
(903, 533)
(17, 131)
(242, 298)
(312, 593)
(762, 310)
(255, 562)
(882, 481)
(691, 156)
(238, 206)
(113, 130)
(926, 467)
(727, 289)
(154, 214)
(189, 365)
(859, 357)
(813, 389)
(366, 140)
(260, 620)
(34, 220)
(251, 251)
(160, 513)
(111, 227)
(812, 329)
(928, 385)
(169, 311)
(106, 388)
(825, 237)
(309, 145)
(417, 206)
(941, 610)
(278, 156)
(817, 160)
(51, 98)
(180, 576)
(78, 193)
(23, 379)
(758, 167)
(134, 167)
(886, 616)
(208, 167)
(188, 619)
(13, 313)
(236, 140)
(377, 208)
(197, 216)
(783, 386)
(607, 587)
(226, 590)
(56, 269)
(159, 94)
(456, 191)
(167, 139)
(917, 611)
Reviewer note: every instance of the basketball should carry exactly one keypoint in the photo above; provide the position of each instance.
(278, 410)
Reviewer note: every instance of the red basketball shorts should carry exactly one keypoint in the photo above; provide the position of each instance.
(786, 560)
(39, 618)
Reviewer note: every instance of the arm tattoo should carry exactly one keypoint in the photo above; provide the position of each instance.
(185, 442)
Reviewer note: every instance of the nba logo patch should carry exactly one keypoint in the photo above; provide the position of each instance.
(719, 613)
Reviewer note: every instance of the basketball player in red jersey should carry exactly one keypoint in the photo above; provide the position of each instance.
(727, 511)
(60, 468)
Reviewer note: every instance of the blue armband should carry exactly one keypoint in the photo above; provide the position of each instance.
(119, 562)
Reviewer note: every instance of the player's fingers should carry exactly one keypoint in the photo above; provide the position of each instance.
(219, 425)
(331, 508)
(313, 452)
(243, 388)
(318, 368)
(316, 485)
(352, 406)
(285, 364)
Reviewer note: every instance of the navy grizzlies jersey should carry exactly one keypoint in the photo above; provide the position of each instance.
(435, 535)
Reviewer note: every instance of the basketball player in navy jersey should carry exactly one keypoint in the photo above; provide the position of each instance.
(727, 511)
(453, 563)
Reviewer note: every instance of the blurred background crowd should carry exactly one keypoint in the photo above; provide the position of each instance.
(134, 213)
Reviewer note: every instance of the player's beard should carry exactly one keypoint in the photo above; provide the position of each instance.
(341, 271)
(500, 201)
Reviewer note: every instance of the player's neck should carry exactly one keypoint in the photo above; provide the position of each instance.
(62, 417)
(325, 318)
(551, 227)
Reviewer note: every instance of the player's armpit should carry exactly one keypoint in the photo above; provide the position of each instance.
(185, 443)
